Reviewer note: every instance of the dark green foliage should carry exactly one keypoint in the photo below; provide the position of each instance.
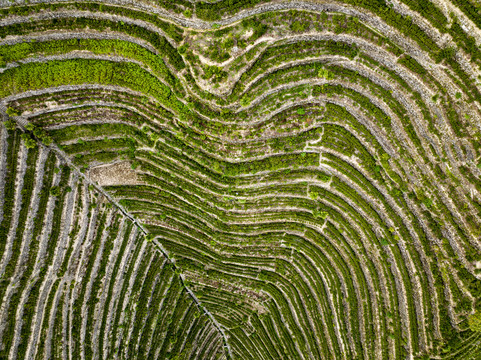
(412, 64)
(319, 206)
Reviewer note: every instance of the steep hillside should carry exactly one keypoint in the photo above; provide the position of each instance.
(240, 179)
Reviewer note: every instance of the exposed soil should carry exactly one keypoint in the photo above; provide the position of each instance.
(119, 173)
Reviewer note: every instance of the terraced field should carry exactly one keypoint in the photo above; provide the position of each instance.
(240, 179)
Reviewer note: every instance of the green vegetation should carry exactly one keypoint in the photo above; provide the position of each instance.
(299, 183)
(474, 321)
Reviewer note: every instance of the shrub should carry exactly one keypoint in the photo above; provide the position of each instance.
(10, 124)
(474, 321)
(55, 191)
(29, 142)
(12, 112)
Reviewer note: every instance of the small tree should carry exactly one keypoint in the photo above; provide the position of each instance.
(55, 191)
(12, 112)
(325, 74)
(245, 101)
(297, 26)
(29, 142)
(10, 125)
(47, 140)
